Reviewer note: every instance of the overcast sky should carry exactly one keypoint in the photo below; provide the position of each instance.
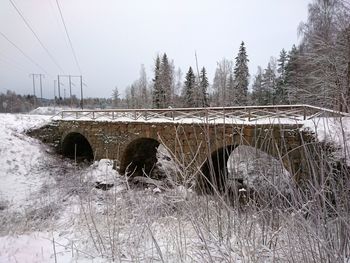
(112, 38)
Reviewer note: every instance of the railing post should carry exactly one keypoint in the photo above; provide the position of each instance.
(76, 115)
(249, 114)
(112, 115)
(93, 115)
(206, 115)
(224, 115)
(62, 114)
(135, 115)
(172, 115)
(304, 113)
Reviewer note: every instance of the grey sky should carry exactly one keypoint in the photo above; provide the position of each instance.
(112, 38)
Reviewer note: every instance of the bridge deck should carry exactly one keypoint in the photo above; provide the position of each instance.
(282, 114)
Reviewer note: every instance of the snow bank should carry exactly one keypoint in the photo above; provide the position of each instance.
(102, 171)
(48, 110)
(19, 154)
(335, 131)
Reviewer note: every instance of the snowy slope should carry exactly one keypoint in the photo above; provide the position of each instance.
(19, 156)
(335, 131)
(30, 198)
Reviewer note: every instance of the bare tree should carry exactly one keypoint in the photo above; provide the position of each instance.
(220, 83)
(325, 49)
(115, 97)
(143, 92)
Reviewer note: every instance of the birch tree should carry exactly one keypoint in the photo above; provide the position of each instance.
(220, 83)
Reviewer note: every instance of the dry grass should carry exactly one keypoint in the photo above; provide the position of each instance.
(308, 222)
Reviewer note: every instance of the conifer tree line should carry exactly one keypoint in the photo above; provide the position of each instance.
(316, 71)
(168, 89)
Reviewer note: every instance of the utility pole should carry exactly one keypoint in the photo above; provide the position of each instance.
(41, 88)
(70, 87)
(59, 87)
(81, 93)
(70, 90)
(54, 96)
(34, 75)
(34, 99)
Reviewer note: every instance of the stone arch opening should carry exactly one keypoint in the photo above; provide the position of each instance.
(236, 167)
(76, 146)
(139, 157)
(215, 171)
(258, 170)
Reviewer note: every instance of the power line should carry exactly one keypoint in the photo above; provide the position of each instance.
(10, 66)
(70, 42)
(36, 36)
(58, 23)
(22, 52)
(13, 64)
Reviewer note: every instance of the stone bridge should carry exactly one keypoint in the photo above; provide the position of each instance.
(200, 142)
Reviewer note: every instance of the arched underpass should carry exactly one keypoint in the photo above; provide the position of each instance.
(76, 146)
(139, 157)
(236, 167)
(214, 170)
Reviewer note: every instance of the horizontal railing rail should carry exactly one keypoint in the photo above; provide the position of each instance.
(243, 113)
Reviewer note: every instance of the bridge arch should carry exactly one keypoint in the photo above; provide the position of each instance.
(76, 145)
(139, 157)
(261, 170)
(214, 172)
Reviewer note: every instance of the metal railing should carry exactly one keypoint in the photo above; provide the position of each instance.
(242, 113)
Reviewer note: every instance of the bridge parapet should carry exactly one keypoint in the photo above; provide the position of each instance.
(239, 114)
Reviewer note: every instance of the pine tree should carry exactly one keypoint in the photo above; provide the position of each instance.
(281, 93)
(241, 76)
(269, 84)
(292, 77)
(258, 94)
(189, 88)
(157, 93)
(166, 80)
(282, 62)
(203, 85)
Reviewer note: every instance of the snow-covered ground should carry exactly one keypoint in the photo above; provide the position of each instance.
(30, 202)
(52, 211)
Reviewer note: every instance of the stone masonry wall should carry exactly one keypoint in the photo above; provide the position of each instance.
(190, 144)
